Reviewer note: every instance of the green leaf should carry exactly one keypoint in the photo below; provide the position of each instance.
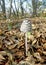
(28, 34)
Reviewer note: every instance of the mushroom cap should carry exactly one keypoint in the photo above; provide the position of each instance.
(26, 26)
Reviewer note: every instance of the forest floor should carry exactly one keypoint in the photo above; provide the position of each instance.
(12, 49)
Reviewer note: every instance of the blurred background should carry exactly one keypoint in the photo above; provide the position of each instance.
(22, 9)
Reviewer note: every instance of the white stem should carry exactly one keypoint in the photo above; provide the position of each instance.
(26, 43)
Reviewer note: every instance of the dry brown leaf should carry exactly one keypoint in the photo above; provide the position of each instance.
(35, 41)
(44, 52)
(3, 52)
(37, 55)
(1, 57)
(31, 37)
(20, 44)
(37, 34)
(43, 40)
(20, 53)
(12, 46)
(44, 46)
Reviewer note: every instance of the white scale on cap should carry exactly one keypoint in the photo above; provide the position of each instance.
(26, 26)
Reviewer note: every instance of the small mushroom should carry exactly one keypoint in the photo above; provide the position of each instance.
(26, 27)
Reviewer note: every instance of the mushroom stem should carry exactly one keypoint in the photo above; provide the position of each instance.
(26, 44)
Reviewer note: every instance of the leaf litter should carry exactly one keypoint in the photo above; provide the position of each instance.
(12, 50)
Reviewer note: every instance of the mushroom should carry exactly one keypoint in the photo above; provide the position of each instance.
(26, 27)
